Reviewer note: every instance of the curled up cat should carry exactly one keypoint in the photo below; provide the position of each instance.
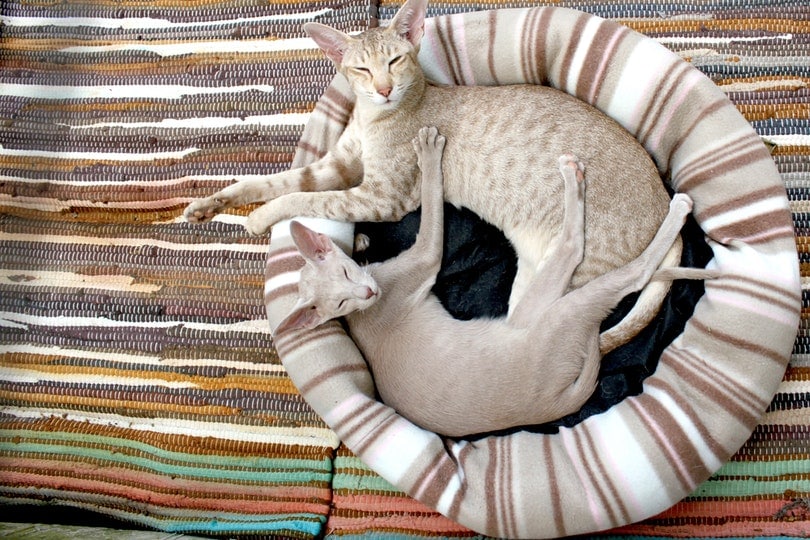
(500, 162)
(453, 377)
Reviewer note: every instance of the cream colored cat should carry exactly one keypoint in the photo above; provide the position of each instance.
(453, 377)
(500, 162)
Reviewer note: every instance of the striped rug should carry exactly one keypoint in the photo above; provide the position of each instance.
(138, 375)
(138, 378)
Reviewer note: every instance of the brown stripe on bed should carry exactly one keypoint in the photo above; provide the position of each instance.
(462, 462)
(570, 49)
(599, 478)
(285, 260)
(533, 56)
(359, 417)
(733, 203)
(750, 231)
(325, 376)
(603, 49)
(754, 288)
(508, 479)
(672, 441)
(601, 472)
(452, 59)
(691, 413)
(380, 427)
(432, 482)
(554, 488)
(326, 123)
(291, 341)
(709, 108)
(740, 403)
(669, 82)
(760, 350)
(368, 424)
(490, 480)
(310, 150)
(493, 32)
(335, 106)
(737, 154)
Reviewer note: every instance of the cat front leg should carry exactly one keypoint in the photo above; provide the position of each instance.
(361, 203)
(429, 146)
(332, 172)
(409, 277)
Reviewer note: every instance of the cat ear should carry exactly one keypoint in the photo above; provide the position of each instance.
(303, 315)
(312, 245)
(332, 42)
(409, 22)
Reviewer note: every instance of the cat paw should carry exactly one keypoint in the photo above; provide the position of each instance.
(429, 140)
(570, 163)
(259, 222)
(361, 242)
(681, 203)
(204, 209)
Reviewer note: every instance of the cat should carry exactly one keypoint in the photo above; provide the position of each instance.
(460, 378)
(500, 163)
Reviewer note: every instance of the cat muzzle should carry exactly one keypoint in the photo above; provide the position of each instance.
(365, 293)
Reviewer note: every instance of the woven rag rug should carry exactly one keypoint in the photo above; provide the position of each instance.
(138, 377)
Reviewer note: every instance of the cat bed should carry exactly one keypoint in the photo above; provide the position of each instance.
(712, 383)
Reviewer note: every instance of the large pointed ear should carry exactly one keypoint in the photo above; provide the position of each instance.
(304, 315)
(332, 42)
(409, 22)
(313, 246)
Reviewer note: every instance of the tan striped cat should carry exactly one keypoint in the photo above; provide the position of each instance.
(500, 162)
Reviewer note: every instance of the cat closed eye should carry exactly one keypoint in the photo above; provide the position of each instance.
(394, 61)
(362, 69)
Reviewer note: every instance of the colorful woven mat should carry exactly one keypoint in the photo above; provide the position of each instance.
(138, 377)
(137, 374)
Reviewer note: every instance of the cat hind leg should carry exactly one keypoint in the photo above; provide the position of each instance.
(594, 300)
(552, 279)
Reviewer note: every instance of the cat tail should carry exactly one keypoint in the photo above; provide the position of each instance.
(647, 306)
(682, 272)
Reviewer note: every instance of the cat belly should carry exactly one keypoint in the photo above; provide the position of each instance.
(458, 386)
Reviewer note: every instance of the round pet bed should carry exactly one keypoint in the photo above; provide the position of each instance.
(712, 383)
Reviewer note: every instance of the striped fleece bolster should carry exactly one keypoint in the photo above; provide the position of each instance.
(713, 382)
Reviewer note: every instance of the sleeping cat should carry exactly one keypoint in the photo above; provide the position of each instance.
(501, 163)
(442, 373)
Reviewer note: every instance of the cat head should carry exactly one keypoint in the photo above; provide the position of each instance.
(380, 64)
(332, 285)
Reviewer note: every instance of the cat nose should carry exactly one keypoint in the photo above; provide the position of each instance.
(384, 92)
(363, 292)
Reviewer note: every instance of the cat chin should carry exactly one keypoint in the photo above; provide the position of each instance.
(384, 103)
